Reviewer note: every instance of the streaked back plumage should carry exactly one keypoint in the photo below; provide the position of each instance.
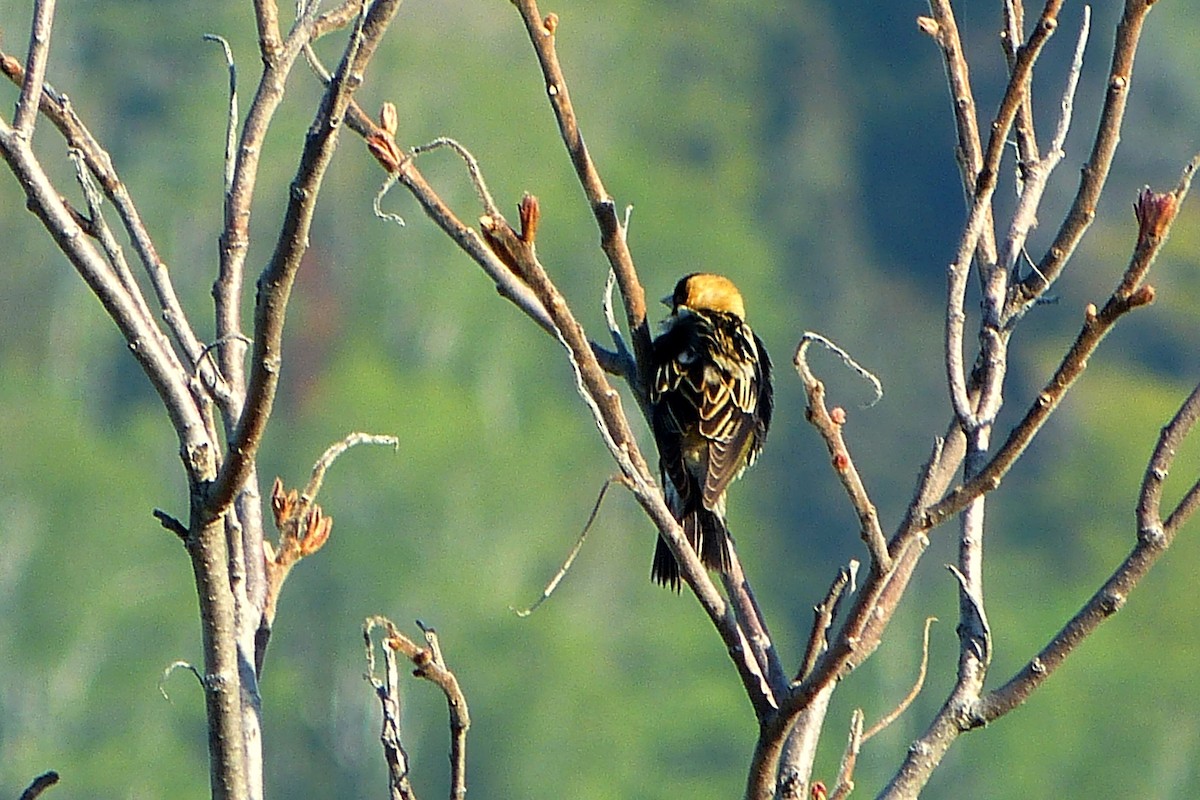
(711, 400)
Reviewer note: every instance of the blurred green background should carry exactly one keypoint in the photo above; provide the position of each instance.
(805, 149)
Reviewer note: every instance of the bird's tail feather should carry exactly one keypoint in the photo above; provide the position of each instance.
(706, 532)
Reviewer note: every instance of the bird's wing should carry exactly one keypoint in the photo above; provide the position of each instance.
(727, 423)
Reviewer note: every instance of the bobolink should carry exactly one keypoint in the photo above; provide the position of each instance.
(711, 403)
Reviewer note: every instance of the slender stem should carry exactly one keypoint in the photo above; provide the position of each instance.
(35, 68)
(612, 229)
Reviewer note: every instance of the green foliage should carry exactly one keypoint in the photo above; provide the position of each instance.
(803, 151)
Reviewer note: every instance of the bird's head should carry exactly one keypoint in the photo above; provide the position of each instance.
(703, 291)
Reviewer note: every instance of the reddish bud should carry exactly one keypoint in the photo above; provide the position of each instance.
(838, 415)
(388, 119)
(386, 151)
(281, 503)
(316, 532)
(530, 213)
(841, 462)
(1154, 212)
(818, 791)
(550, 24)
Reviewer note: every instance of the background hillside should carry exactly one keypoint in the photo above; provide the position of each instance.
(802, 147)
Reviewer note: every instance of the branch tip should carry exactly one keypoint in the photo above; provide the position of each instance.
(40, 784)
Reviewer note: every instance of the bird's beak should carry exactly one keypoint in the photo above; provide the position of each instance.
(667, 300)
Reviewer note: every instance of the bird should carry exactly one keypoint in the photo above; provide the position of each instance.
(710, 404)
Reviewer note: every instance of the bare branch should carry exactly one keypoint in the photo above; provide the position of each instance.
(751, 622)
(275, 283)
(58, 109)
(1130, 294)
(278, 57)
(612, 232)
(1095, 172)
(403, 168)
(969, 150)
(980, 220)
(481, 189)
(1036, 173)
(1011, 38)
(145, 340)
(824, 614)
(335, 450)
(388, 692)
(622, 361)
(1153, 539)
(170, 523)
(35, 69)
(854, 740)
(829, 425)
(232, 118)
(430, 666)
(337, 18)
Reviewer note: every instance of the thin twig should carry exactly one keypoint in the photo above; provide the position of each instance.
(280, 273)
(566, 565)
(824, 614)
(231, 120)
(968, 150)
(751, 622)
(1036, 173)
(613, 241)
(854, 741)
(1128, 296)
(830, 427)
(170, 523)
(35, 68)
(334, 451)
(1012, 38)
(477, 180)
(623, 359)
(1095, 172)
(431, 666)
(387, 690)
(892, 716)
(170, 670)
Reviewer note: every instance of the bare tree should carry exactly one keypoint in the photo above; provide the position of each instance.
(219, 395)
